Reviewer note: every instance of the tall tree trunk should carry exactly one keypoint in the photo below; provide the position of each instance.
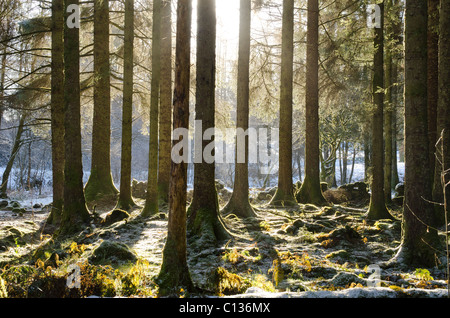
(419, 239)
(310, 191)
(443, 111)
(100, 181)
(125, 198)
(15, 149)
(432, 84)
(174, 273)
(151, 201)
(377, 207)
(57, 111)
(203, 216)
(165, 114)
(75, 211)
(239, 203)
(284, 195)
(388, 109)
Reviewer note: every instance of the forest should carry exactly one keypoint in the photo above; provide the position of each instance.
(225, 149)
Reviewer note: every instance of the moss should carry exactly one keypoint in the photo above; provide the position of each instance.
(112, 253)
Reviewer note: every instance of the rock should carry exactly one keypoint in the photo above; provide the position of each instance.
(112, 252)
(37, 206)
(344, 279)
(139, 189)
(338, 254)
(115, 216)
(14, 204)
(357, 191)
(3, 204)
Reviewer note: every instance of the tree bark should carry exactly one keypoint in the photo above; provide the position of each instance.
(100, 181)
(151, 202)
(432, 72)
(57, 111)
(165, 114)
(203, 216)
(75, 212)
(377, 208)
(419, 240)
(125, 201)
(310, 191)
(443, 111)
(174, 273)
(239, 203)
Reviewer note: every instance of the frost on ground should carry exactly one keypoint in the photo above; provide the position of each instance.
(303, 251)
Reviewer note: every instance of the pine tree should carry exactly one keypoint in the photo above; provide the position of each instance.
(239, 203)
(57, 111)
(419, 239)
(151, 201)
(310, 191)
(203, 215)
(125, 198)
(100, 181)
(174, 273)
(75, 211)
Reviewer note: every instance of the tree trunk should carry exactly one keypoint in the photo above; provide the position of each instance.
(125, 198)
(75, 211)
(419, 239)
(203, 217)
(100, 181)
(239, 203)
(174, 273)
(432, 72)
(151, 202)
(377, 208)
(310, 191)
(57, 112)
(165, 114)
(443, 111)
(15, 149)
(284, 195)
(388, 106)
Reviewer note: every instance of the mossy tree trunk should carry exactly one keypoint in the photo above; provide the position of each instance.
(443, 111)
(100, 181)
(57, 111)
(284, 195)
(174, 273)
(151, 201)
(75, 212)
(125, 201)
(310, 191)
(203, 216)
(165, 113)
(239, 203)
(377, 208)
(420, 240)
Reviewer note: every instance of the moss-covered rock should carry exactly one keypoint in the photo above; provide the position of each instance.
(115, 216)
(109, 252)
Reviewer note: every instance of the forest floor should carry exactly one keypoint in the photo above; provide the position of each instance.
(301, 251)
